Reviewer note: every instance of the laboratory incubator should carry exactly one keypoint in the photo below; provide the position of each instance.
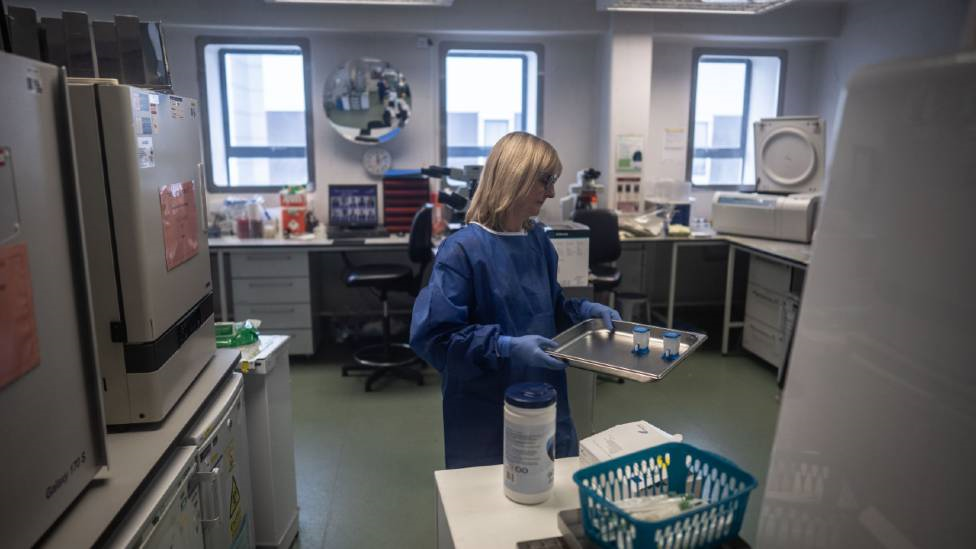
(50, 415)
(142, 196)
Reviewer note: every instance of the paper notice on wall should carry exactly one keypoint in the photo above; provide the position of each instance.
(19, 348)
(145, 153)
(674, 144)
(630, 153)
(181, 231)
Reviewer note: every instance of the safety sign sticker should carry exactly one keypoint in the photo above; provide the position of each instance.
(236, 514)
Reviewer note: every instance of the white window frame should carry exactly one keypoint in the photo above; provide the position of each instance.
(218, 116)
(488, 47)
(697, 54)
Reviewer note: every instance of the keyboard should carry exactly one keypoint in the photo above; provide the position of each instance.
(356, 234)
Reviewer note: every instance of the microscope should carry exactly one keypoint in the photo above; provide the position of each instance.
(457, 196)
(583, 195)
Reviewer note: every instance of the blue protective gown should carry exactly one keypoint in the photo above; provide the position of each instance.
(485, 285)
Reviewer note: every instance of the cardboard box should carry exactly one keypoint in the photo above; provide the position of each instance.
(293, 200)
(293, 220)
(622, 440)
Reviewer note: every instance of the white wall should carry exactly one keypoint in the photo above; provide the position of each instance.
(568, 98)
(586, 103)
(880, 30)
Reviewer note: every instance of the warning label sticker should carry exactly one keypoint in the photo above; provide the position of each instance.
(145, 153)
(236, 514)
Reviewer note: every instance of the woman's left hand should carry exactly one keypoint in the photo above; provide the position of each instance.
(597, 310)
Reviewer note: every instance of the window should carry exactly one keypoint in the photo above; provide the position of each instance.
(257, 106)
(486, 92)
(730, 91)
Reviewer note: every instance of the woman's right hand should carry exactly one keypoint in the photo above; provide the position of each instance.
(529, 350)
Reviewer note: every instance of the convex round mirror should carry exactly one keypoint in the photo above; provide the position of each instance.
(367, 101)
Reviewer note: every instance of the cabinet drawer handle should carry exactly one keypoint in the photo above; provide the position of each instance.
(764, 297)
(761, 332)
(269, 257)
(270, 284)
(274, 311)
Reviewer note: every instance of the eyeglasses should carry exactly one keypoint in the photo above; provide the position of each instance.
(548, 180)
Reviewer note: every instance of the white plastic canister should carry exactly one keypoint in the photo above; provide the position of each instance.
(530, 442)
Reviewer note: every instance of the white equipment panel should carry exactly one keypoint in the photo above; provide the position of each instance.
(52, 433)
(167, 514)
(790, 154)
(875, 445)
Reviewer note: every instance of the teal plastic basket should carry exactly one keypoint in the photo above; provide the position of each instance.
(673, 468)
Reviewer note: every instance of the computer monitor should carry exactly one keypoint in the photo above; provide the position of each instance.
(353, 206)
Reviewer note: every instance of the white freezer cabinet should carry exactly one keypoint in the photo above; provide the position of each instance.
(772, 307)
(267, 397)
(273, 287)
(168, 512)
(223, 469)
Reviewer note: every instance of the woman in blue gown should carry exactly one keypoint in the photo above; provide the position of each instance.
(493, 303)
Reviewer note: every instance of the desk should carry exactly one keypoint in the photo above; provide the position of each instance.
(132, 456)
(793, 254)
(790, 253)
(275, 281)
(473, 512)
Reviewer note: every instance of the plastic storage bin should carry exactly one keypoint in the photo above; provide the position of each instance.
(669, 468)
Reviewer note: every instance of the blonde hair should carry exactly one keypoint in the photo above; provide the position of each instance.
(516, 163)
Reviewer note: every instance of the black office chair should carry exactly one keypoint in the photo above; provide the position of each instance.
(604, 250)
(396, 359)
(604, 247)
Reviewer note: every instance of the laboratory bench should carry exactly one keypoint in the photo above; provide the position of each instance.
(281, 282)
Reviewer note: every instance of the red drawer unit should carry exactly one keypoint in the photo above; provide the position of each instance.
(404, 192)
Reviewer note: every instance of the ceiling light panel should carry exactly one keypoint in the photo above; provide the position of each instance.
(692, 6)
(435, 3)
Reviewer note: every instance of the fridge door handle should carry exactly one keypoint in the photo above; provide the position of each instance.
(213, 501)
(202, 189)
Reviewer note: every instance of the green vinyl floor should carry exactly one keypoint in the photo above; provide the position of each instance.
(365, 462)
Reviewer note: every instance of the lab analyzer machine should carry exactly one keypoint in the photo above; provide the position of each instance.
(790, 177)
(142, 197)
(50, 416)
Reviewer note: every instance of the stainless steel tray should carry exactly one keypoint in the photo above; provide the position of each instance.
(589, 345)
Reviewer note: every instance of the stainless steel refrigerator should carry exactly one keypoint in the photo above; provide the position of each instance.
(223, 468)
(142, 195)
(51, 428)
(877, 429)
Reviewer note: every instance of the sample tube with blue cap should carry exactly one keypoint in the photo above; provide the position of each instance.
(529, 442)
(672, 345)
(642, 340)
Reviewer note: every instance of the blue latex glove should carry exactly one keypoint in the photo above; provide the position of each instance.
(591, 309)
(529, 350)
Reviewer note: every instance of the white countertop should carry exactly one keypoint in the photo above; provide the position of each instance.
(314, 242)
(473, 507)
(796, 252)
